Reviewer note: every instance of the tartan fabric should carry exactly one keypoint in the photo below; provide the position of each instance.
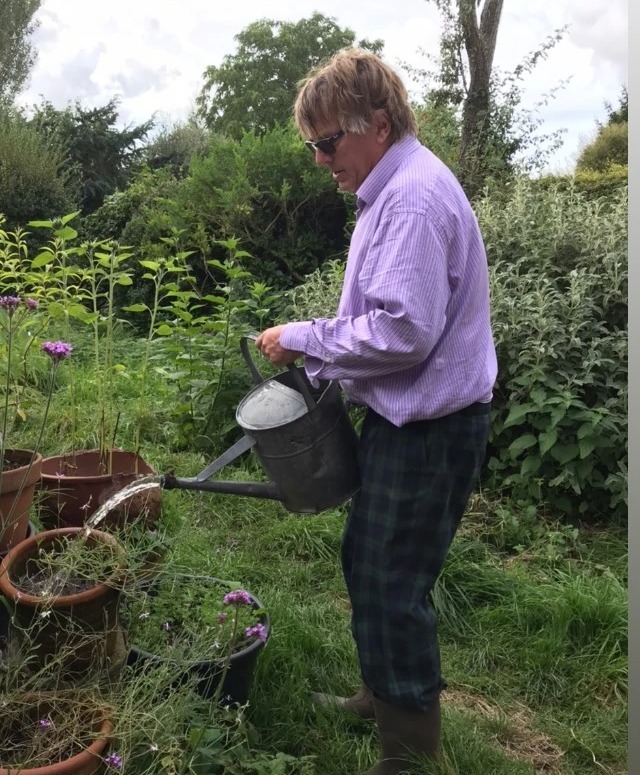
(416, 482)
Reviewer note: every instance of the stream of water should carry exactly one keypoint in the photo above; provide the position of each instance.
(140, 485)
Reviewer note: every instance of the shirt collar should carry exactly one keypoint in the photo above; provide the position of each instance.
(377, 179)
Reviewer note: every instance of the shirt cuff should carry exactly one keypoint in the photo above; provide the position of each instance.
(295, 336)
(299, 337)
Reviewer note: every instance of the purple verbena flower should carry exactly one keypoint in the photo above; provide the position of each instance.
(57, 350)
(32, 303)
(9, 303)
(256, 631)
(113, 760)
(237, 597)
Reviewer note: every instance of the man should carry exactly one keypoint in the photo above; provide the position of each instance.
(412, 342)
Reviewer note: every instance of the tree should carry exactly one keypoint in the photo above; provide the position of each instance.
(254, 89)
(619, 115)
(611, 144)
(17, 56)
(493, 130)
(480, 44)
(104, 154)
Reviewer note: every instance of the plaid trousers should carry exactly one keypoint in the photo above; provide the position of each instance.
(416, 483)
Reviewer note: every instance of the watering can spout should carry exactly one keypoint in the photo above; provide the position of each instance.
(267, 490)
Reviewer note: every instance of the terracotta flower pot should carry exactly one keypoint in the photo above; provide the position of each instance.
(74, 486)
(17, 488)
(27, 716)
(76, 631)
(4, 614)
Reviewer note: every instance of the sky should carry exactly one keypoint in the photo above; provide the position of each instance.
(152, 54)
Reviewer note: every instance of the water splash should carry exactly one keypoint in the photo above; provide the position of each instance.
(140, 485)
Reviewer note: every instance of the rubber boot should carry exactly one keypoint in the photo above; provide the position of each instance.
(404, 735)
(360, 704)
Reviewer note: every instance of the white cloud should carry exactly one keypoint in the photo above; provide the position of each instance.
(153, 53)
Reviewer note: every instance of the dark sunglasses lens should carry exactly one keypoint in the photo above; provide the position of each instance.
(326, 146)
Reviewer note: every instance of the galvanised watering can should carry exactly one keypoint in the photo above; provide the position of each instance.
(302, 437)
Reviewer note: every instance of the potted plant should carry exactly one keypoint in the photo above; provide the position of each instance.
(212, 630)
(63, 588)
(20, 326)
(84, 280)
(55, 733)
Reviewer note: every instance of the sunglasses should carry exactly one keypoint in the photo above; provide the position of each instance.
(325, 144)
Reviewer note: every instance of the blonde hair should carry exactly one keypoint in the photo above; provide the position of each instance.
(349, 88)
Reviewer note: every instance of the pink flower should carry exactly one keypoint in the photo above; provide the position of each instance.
(237, 597)
(57, 350)
(257, 631)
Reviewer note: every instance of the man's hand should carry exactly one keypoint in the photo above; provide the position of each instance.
(269, 345)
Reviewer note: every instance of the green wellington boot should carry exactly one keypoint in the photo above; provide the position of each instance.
(405, 734)
(361, 704)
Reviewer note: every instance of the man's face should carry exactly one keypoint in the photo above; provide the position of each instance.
(355, 155)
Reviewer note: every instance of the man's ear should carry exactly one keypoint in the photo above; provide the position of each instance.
(382, 124)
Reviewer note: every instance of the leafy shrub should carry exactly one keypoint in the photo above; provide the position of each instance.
(35, 179)
(611, 146)
(559, 281)
(593, 184)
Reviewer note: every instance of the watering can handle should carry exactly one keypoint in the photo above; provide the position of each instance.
(258, 378)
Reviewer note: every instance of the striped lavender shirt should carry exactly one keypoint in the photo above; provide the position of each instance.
(412, 336)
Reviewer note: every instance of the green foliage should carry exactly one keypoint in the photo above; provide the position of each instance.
(439, 130)
(559, 282)
(175, 146)
(103, 154)
(17, 55)
(35, 179)
(264, 191)
(184, 617)
(267, 192)
(200, 352)
(610, 147)
(254, 89)
(318, 296)
(594, 185)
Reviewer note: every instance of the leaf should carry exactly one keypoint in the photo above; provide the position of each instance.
(41, 224)
(41, 260)
(547, 440)
(526, 441)
(530, 465)
(586, 445)
(66, 232)
(153, 265)
(517, 413)
(124, 280)
(163, 330)
(136, 308)
(563, 453)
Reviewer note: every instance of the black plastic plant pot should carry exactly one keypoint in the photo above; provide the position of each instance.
(207, 674)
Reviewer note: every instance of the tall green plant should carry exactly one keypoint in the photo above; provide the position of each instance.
(202, 355)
